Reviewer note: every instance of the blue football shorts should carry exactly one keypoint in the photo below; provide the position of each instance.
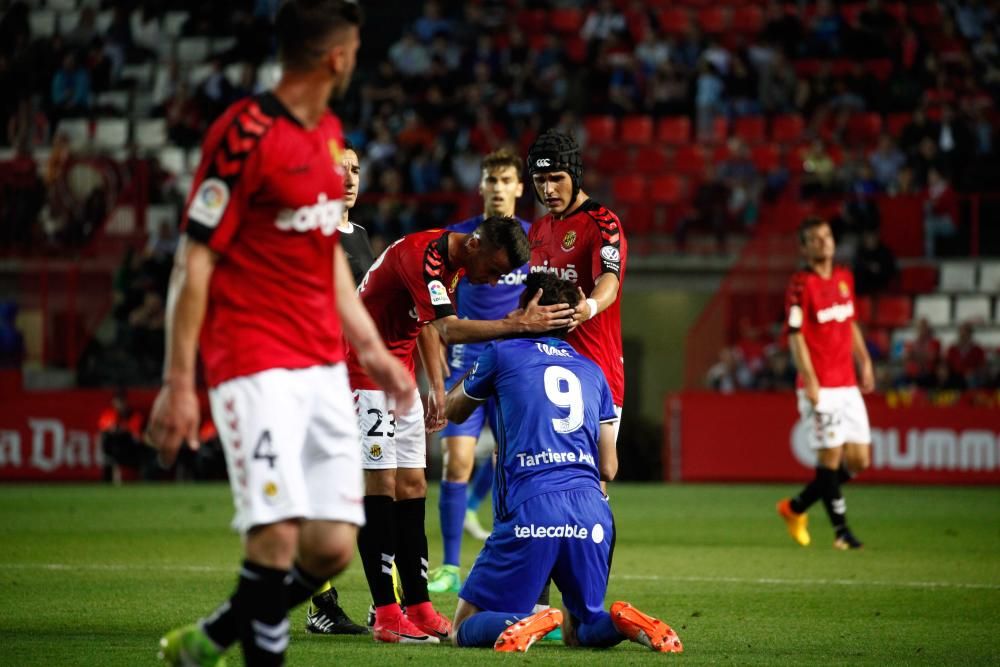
(569, 535)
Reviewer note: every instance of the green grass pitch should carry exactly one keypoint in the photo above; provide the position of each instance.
(93, 575)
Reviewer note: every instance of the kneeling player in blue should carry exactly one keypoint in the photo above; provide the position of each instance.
(555, 443)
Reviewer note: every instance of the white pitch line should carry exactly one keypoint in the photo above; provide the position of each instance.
(770, 581)
(765, 581)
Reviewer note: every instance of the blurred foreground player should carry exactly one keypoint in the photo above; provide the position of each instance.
(555, 444)
(825, 342)
(500, 186)
(261, 278)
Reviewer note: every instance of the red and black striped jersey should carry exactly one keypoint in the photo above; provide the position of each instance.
(409, 285)
(579, 249)
(267, 199)
(822, 310)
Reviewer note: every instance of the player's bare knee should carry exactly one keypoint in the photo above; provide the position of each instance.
(858, 458)
(458, 470)
(411, 485)
(380, 483)
(273, 544)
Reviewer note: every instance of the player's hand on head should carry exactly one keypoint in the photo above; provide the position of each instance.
(582, 311)
(538, 319)
(173, 421)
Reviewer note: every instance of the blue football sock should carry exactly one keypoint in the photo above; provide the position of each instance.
(483, 628)
(600, 633)
(482, 482)
(452, 508)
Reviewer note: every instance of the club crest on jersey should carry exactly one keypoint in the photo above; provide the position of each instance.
(439, 296)
(844, 292)
(270, 492)
(569, 240)
(209, 203)
(454, 283)
(375, 452)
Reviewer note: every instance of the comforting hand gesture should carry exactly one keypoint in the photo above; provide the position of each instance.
(539, 319)
(434, 417)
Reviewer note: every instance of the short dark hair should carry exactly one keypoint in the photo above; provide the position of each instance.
(812, 222)
(554, 290)
(503, 157)
(500, 231)
(348, 146)
(303, 28)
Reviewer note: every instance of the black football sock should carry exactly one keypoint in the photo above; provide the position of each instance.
(844, 475)
(263, 597)
(833, 501)
(301, 585)
(544, 596)
(411, 549)
(377, 544)
(223, 626)
(809, 494)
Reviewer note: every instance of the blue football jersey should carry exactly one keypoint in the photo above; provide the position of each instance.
(482, 302)
(550, 404)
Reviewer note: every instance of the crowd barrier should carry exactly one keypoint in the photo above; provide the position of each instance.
(757, 437)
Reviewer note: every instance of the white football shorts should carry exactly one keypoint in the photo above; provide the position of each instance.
(388, 439)
(839, 417)
(291, 444)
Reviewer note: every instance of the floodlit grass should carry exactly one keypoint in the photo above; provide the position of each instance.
(93, 575)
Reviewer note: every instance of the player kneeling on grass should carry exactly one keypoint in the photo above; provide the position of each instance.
(555, 443)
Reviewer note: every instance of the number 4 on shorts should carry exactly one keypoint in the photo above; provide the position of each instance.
(265, 450)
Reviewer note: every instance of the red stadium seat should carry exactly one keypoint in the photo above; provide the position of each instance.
(690, 160)
(600, 129)
(787, 128)
(749, 19)
(532, 21)
(636, 130)
(793, 159)
(926, 14)
(851, 13)
(609, 160)
(576, 49)
(918, 279)
(713, 20)
(566, 20)
(674, 130)
(651, 160)
(750, 129)
(864, 127)
(893, 311)
(629, 189)
(895, 122)
(880, 68)
(864, 309)
(766, 157)
(675, 20)
(667, 189)
(637, 219)
(719, 132)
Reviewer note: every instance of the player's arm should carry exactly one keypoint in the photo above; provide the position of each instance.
(532, 319)
(475, 386)
(607, 453)
(803, 362)
(604, 294)
(459, 405)
(429, 346)
(860, 351)
(361, 333)
(175, 414)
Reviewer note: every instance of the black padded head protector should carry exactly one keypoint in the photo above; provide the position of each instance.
(555, 151)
